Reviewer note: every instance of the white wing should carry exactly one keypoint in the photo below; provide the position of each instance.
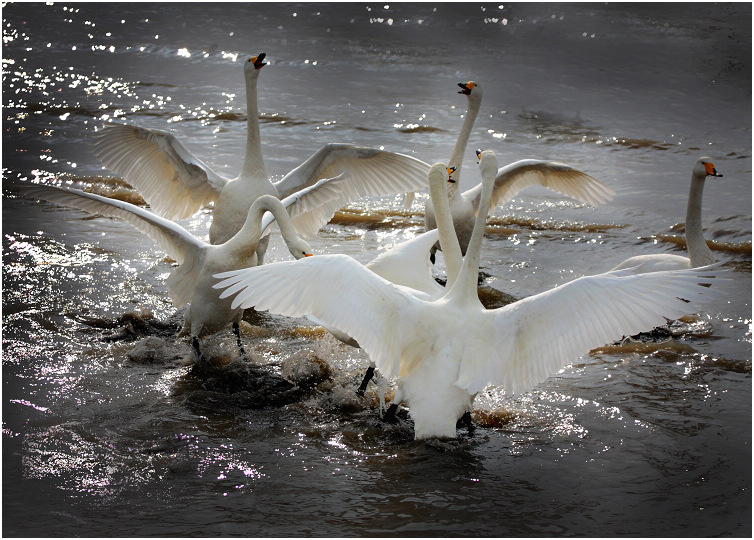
(338, 291)
(176, 241)
(311, 207)
(537, 336)
(557, 177)
(370, 172)
(171, 179)
(408, 264)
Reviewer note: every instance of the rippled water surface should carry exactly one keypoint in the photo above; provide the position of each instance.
(110, 428)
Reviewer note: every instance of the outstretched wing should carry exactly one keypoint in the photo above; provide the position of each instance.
(176, 241)
(339, 292)
(174, 182)
(534, 338)
(370, 172)
(408, 264)
(312, 207)
(557, 177)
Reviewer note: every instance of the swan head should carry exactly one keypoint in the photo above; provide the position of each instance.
(487, 163)
(471, 89)
(300, 249)
(254, 64)
(704, 168)
(451, 170)
(439, 174)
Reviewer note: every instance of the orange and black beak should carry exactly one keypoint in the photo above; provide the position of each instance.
(478, 155)
(466, 88)
(711, 171)
(258, 61)
(451, 170)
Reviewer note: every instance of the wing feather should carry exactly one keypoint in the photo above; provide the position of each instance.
(176, 241)
(554, 176)
(338, 291)
(371, 172)
(174, 182)
(536, 337)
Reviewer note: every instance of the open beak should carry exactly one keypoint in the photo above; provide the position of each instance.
(466, 88)
(478, 155)
(451, 170)
(258, 61)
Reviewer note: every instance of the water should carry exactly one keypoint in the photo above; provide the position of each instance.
(109, 428)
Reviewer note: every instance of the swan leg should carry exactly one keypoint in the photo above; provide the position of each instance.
(237, 332)
(389, 415)
(195, 345)
(367, 377)
(465, 420)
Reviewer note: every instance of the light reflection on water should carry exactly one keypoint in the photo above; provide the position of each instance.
(97, 431)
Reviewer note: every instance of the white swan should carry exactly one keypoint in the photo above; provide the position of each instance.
(445, 351)
(191, 281)
(176, 183)
(407, 265)
(511, 179)
(699, 251)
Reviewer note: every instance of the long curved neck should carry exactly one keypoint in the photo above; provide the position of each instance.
(451, 249)
(253, 164)
(275, 207)
(456, 158)
(465, 288)
(247, 238)
(699, 252)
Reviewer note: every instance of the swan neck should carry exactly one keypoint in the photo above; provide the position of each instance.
(699, 253)
(465, 288)
(456, 158)
(253, 164)
(246, 240)
(451, 248)
(283, 219)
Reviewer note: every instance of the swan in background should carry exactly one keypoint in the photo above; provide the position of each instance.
(446, 351)
(699, 251)
(191, 281)
(474, 92)
(176, 183)
(511, 179)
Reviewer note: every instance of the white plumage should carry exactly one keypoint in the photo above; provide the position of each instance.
(191, 281)
(176, 183)
(510, 179)
(699, 251)
(445, 351)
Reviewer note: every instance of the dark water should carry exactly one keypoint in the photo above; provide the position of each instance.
(109, 429)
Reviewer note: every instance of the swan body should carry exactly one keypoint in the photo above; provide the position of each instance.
(699, 252)
(445, 351)
(191, 281)
(176, 183)
(510, 179)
